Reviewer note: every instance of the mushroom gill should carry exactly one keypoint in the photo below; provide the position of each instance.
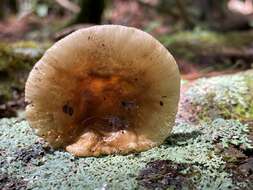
(104, 90)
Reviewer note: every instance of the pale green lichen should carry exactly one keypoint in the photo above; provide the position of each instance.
(229, 132)
(227, 96)
(223, 89)
(60, 170)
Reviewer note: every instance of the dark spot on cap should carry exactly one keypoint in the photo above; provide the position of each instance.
(161, 103)
(123, 103)
(28, 103)
(68, 110)
(128, 104)
(117, 123)
(103, 45)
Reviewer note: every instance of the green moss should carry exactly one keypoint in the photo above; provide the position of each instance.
(20, 55)
(210, 38)
(194, 37)
(60, 170)
(5, 92)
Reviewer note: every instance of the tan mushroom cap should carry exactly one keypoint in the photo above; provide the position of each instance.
(103, 90)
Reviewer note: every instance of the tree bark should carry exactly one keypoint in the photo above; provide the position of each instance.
(8, 6)
(91, 11)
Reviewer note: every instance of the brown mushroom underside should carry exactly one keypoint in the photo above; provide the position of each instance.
(103, 90)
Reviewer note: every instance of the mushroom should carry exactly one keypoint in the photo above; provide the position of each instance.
(101, 90)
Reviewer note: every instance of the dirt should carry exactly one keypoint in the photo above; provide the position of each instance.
(242, 172)
(37, 150)
(11, 107)
(11, 183)
(239, 162)
(165, 174)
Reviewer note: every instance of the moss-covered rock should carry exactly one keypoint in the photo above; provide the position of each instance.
(20, 55)
(16, 60)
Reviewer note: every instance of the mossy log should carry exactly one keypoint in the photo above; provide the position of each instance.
(218, 50)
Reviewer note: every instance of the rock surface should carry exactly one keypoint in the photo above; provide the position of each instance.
(210, 148)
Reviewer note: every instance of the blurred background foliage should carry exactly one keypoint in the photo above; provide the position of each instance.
(223, 15)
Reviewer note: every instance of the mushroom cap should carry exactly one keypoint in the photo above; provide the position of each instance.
(104, 90)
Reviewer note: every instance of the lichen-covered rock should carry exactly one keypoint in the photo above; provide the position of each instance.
(210, 153)
(228, 96)
(23, 157)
